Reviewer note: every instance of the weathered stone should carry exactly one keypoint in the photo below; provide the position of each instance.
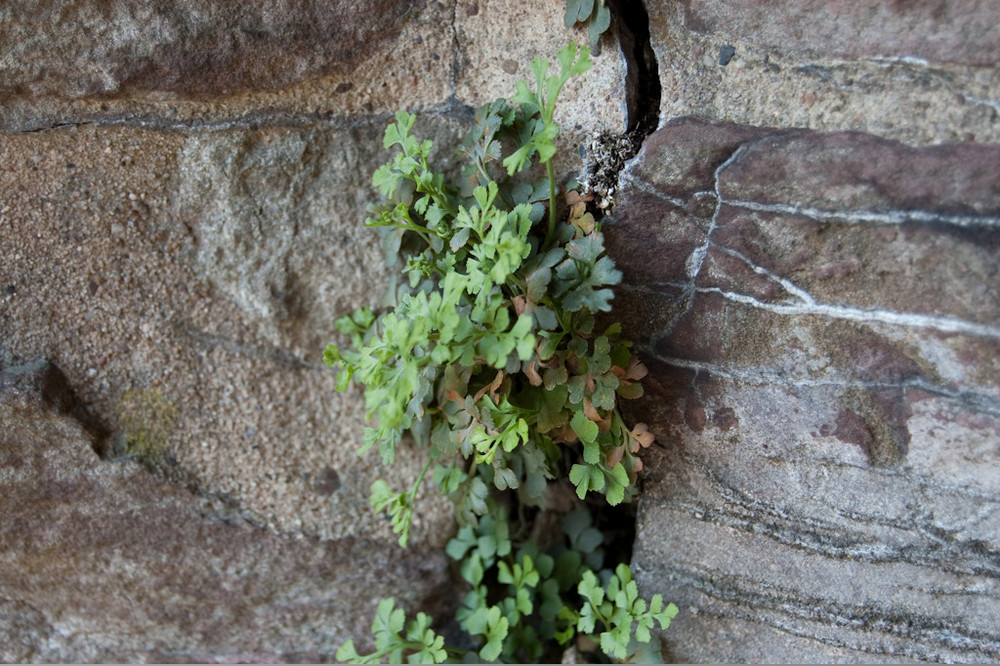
(293, 63)
(920, 72)
(206, 258)
(856, 174)
(936, 30)
(778, 541)
(682, 161)
(82, 48)
(830, 357)
(103, 248)
(40, 381)
(499, 39)
(818, 310)
(103, 562)
(410, 66)
(279, 219)
(675, 231)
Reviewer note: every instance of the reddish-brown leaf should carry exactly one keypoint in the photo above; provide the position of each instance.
(563, 434)
(635, 370)
(592, 413)
(573, 197)
(636, 468)
(531, 370)
(642, 435)
(491, 388)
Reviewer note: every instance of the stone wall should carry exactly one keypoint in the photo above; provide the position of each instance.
(182, 191)
(812, 269)
(810, 247)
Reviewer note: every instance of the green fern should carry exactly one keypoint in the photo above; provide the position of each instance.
(489, 359)
(594, 13)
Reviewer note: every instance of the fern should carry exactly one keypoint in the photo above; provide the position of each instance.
(489, 359)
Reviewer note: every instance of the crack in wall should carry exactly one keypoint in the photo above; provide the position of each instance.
(266, 119)
(642, 80)
(209, 341)
(610, 153)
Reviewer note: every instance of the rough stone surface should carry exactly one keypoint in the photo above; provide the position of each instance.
(186, 239)
(181, 192)
(131, 278)
(83, 48)
(101, 561)
(499, 39)
(920, 72)
(278, 218)
(223, 236)
(45, 384)
(939, 31)
(431, 57)
(410, 66)
(821, 317)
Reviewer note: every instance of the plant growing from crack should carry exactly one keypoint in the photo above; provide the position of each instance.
(491, 360)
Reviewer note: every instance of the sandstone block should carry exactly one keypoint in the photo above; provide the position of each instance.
(101, 561)
(933, 30)
(201, 276)
(84, 48)
(919, 72)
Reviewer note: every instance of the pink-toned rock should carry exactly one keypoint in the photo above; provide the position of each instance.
(855, 173)
(681, 160)
(825, 390)
(921, 72)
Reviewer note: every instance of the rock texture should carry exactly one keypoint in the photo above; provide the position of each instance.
(149, 283)
(930, 30)
(103, 562)
(920, 72)
(821, 316)
(182, 192)
(85, 48)
(810, 273)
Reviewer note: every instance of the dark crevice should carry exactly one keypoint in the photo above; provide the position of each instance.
(42, 382)
(610, 152)
(642, 80)
(607, 157)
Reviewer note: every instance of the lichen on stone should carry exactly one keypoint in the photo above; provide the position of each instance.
(146, 418)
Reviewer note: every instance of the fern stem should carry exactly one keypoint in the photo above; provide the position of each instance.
(552, 206)
(420, 480)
